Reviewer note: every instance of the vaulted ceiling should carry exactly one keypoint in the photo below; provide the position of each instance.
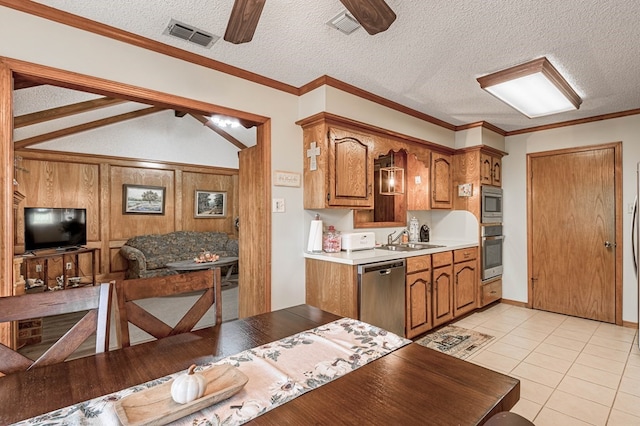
(430, 56)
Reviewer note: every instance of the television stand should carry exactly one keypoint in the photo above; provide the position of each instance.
(65, 262)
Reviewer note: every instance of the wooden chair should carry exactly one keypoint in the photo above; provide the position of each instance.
(95, 299)
(128, 291)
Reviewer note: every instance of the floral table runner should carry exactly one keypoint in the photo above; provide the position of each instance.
(278, 372)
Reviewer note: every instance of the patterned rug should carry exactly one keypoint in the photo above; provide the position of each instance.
(455, 341)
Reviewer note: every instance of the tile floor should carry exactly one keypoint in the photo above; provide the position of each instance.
(572, 371)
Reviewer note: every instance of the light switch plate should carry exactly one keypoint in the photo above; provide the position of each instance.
(278, 205)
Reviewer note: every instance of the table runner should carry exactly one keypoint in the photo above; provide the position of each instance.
(278, 372)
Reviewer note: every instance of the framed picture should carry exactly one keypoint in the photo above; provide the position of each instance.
(142, 199)
(210, 204)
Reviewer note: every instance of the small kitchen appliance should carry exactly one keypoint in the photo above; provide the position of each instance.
(424, 234)
(352, 241)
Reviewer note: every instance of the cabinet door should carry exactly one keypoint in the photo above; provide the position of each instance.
(418, 303)
(350, 170)
(496, 169)
(417, 177)
(486, 167)
(466, 287)
(442, 295)
(441, 181)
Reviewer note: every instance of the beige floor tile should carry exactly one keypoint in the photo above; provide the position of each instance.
(615, 332)
(530, 334)
(563, 342)
(557, 351)
(521, 342)
(634, 359)
(587, 390)
(496, 362)
(604, 352)
(510, 351)
(533, 391)
(549, 362)
(572, 334)
(580, 324)
(538, 374)
(499, 325)
(632, 372)
(527, 409)
(594, 375)
(620, 418)
(579, 408)
(548, 417)
(550, 316)
(627, 403)
(600, 363)
(611, 343)
(630, 386)
(541, 327)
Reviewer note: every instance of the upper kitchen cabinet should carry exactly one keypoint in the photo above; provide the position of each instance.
(474, 167)
(429, 185)
(338, 167)
(490, 169)
(441, 180)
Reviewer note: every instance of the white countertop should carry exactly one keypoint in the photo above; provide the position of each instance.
(378, 254)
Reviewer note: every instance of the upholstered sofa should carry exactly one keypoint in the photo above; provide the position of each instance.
(148, 255)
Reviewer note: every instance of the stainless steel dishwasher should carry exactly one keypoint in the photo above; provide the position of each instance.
(382, 301)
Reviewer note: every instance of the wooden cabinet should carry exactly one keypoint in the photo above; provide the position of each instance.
(332, 287)
(442, 264)
(429, 186)
(490, 292)
(338, 167)
(490, 169)
(53, 266)
(466, 277)
(418, 295)
(441, 181)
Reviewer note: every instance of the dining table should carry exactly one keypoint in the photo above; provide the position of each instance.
(409, 385)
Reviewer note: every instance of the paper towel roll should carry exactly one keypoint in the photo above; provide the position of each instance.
(315, 237)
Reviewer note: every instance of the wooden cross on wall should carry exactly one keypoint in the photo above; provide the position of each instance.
(313, 153)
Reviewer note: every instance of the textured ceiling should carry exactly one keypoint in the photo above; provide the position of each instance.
(430, 57)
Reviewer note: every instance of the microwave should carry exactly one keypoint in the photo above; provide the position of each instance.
(491, 204)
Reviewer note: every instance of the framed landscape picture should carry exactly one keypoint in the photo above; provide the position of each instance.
(210, 204)
(142, 199)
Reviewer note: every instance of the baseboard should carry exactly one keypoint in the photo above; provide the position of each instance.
(629, 324)
(515, 303)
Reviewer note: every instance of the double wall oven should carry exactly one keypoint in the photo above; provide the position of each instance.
(492, 238)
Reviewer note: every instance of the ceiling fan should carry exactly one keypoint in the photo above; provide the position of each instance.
(375, 16)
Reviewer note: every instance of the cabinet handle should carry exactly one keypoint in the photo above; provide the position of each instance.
(328, 196)
(493, 292)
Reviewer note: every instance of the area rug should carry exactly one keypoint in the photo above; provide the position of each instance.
(455, 341)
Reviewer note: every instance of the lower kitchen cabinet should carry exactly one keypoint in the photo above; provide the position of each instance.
(465, 271)
(418, 294)
(490, 292)
(332, 287)
(442, 264)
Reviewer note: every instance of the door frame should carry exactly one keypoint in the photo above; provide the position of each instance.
(617, 147)
(71, 80)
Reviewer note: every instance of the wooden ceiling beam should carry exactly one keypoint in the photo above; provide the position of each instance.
(24, 143)
(243, 21)
(63, 111)
(204, 120)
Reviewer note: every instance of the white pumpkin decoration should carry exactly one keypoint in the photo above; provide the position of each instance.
(188, 387)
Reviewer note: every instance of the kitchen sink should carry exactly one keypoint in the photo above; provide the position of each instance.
(409, 246)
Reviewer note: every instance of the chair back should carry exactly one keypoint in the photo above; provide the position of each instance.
(128, 291)
(94, 299)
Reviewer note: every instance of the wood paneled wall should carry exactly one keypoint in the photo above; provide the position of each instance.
(54, 179)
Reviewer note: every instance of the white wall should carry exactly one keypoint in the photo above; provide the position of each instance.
(626, 130)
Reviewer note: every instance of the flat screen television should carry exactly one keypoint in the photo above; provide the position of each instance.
(57, 228)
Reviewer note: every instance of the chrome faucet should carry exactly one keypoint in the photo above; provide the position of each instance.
(391, 240)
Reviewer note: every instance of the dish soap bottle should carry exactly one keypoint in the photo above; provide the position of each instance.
(331, 243)
(414, 231)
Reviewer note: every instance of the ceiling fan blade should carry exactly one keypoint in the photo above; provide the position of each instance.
(243, 20)
(375, 16)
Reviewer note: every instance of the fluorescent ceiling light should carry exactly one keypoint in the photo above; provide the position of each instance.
(535, 89)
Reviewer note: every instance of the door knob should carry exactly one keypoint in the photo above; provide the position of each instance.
(609, 244)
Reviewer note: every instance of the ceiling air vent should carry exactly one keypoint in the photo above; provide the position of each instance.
(190, 33)
(344, 22)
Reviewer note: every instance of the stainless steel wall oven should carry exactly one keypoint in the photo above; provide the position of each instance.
(492, 248)
(490, 204)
